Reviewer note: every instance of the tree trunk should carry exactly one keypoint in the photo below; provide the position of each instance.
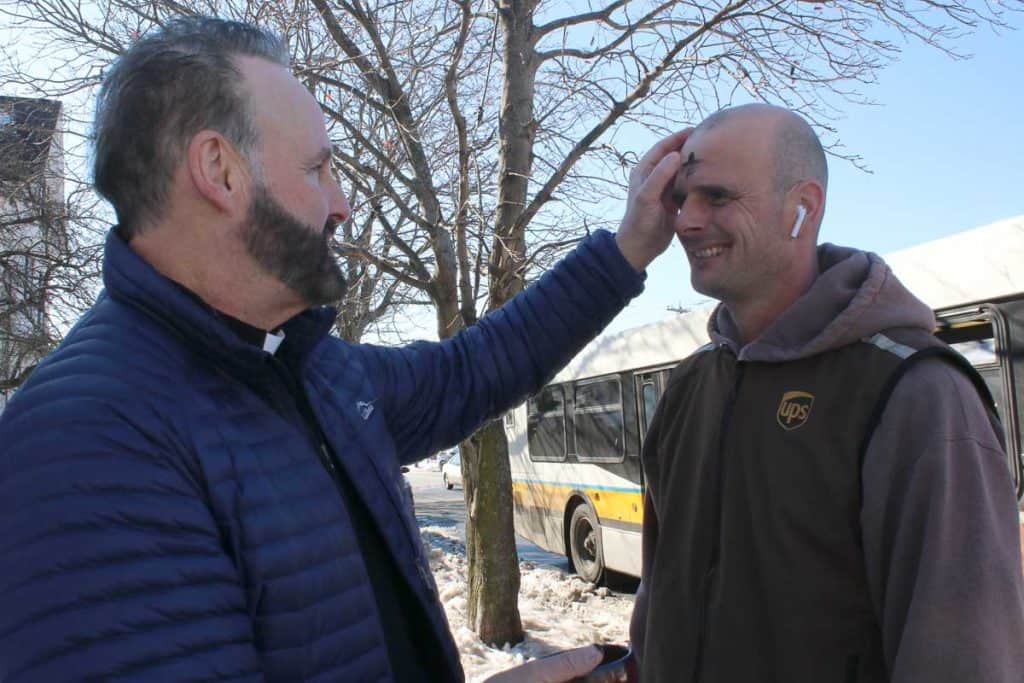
(490, 537)
(517, 131)
(445, 288)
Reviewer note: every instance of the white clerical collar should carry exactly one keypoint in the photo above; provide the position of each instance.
(272, 341)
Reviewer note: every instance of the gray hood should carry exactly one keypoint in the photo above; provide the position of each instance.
(855, 296)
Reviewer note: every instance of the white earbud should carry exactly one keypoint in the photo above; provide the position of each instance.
(801, 214)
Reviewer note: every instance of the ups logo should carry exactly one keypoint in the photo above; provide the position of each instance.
(794, 409)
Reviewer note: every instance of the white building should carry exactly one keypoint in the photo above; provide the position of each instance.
(31, 231)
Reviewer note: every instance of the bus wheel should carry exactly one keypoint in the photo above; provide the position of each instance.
(585, 544)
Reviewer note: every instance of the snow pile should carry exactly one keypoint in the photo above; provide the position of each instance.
(558, 611)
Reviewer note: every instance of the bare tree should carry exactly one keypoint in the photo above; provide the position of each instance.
(480, 136)
(45, 270)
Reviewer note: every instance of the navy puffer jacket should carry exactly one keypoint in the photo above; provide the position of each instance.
(159, 522)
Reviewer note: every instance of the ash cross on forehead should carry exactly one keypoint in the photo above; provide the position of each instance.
(690, 165)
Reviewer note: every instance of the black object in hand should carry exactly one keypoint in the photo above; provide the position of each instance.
(618, 665)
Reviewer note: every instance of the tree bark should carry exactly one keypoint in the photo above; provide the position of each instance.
(517, 132)
(490, 533)
(493, 610)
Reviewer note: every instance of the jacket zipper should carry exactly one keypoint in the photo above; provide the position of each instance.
(325, 458)
(709, 575)
(304, 411)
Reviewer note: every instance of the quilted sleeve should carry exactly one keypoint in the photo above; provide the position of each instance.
(111, 565)
(437, 393)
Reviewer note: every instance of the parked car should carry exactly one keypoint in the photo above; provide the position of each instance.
(451, 472)
(446, 455)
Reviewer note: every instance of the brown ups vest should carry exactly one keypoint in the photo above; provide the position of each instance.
(753, 470)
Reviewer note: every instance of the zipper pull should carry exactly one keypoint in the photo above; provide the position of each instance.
(325, 455)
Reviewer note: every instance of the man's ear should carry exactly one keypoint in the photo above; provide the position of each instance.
(218, 172)
(811, 195)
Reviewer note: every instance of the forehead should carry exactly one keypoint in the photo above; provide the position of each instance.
(287, 117)
(727, 154)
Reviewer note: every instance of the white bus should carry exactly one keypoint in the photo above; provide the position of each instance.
(575, 446)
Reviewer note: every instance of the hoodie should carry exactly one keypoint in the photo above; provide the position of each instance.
(896, 558)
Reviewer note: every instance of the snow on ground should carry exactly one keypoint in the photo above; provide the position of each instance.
(558, 611)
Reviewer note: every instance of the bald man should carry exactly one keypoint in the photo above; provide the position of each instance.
(827, 493)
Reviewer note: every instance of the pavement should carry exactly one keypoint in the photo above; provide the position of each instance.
(437, 506)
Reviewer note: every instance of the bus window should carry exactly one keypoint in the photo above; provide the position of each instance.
(650, 386)
(981, 354)
(546, 424)
(649, 403)
(598, 421)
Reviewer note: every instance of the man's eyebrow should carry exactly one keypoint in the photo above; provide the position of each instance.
(712, 190)
(323, 155)
(690, 165)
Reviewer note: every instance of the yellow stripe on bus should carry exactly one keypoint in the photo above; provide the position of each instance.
(620, 506)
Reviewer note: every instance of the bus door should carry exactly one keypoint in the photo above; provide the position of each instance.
(650, 385)
(991, 337)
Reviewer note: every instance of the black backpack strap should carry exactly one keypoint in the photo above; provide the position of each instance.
(942, 352)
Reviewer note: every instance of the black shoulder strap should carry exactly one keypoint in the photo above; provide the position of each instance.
(942, 352)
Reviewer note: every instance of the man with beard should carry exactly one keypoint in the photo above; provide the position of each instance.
(200, 483)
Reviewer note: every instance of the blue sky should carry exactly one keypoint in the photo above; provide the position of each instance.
(946, 147)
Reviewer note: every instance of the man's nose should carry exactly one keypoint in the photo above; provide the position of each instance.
(339, 208)
(692, 217)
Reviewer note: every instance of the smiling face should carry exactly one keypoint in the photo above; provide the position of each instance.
(732, 221)
(296, 203)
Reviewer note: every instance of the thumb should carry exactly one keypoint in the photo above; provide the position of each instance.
(557, 668)
(572, 663)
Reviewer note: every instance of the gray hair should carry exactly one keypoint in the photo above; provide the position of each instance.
(167, 87)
